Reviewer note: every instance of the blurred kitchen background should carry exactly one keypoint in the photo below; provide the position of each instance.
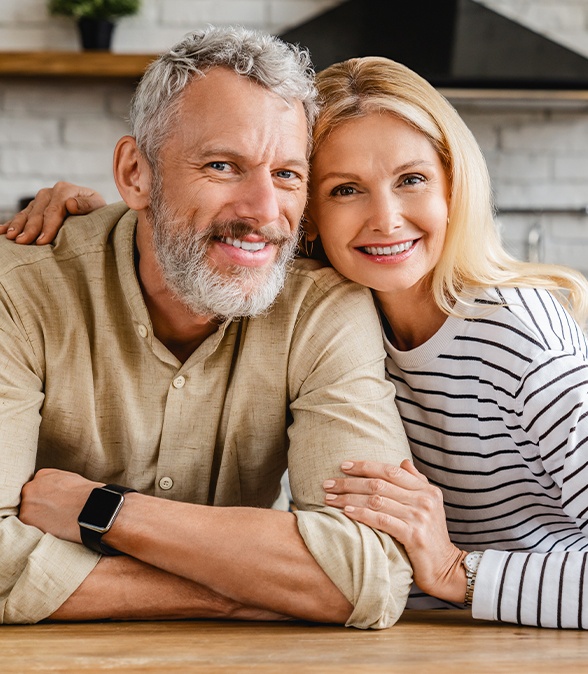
(530, 120)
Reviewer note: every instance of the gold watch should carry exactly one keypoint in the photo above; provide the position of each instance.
(471, 562)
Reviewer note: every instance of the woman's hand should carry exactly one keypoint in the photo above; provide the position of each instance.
(40, 221)
(399, 501)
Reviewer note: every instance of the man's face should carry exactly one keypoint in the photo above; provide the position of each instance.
(229, 195)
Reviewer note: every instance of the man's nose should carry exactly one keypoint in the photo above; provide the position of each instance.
(258, 199)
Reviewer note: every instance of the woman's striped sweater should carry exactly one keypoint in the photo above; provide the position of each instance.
(496, 411)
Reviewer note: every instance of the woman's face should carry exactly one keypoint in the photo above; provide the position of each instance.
(379, 200)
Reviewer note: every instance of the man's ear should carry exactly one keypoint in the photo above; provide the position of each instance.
(132, 174)
(309, 227)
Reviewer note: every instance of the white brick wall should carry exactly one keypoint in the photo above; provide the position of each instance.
(58, 129)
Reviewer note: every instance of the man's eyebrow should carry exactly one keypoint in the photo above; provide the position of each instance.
(219, 152)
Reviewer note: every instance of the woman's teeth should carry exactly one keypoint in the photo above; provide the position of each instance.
(251, 246)
(388, 250)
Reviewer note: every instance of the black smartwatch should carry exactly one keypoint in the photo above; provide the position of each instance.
(98, 515)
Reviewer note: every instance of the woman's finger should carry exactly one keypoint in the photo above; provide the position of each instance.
(16, 224)
(381, 521)
(377, 478)
(386, 471)
(43, 217)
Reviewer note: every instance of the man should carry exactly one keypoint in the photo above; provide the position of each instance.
(140, 350)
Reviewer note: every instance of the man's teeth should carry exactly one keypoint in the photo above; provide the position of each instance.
(388, 250)
(245, 245)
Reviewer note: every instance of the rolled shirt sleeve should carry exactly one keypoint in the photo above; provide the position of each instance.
(343, 409)
(37, 571)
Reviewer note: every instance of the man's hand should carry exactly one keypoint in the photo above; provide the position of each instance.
(40, 221)
(52, 501)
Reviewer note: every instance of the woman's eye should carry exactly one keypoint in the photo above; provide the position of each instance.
(343, 191)
(414, 179)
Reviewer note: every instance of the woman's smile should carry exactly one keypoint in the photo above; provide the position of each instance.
(379, 201)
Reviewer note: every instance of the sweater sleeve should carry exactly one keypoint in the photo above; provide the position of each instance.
(548, 588)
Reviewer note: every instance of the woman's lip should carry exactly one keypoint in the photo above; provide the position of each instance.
(388, 257)
(387, 244)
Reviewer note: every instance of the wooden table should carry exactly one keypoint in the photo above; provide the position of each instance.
(423, 642)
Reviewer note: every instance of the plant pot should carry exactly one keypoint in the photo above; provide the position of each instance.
(96, 34)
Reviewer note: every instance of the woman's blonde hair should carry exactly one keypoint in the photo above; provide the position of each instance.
(473, 255)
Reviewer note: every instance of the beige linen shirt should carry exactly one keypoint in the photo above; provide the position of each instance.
(86, 387)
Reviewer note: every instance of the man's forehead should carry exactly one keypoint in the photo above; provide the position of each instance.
(223, 108)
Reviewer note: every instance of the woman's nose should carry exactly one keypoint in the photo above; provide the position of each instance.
(385, 213)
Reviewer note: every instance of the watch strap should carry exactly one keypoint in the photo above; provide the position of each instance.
(93, 539)
(471, 562)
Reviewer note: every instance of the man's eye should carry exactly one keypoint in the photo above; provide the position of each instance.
(286, 175)
(219, 165)
(343, 191)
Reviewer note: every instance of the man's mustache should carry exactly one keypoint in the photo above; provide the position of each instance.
(239, 229)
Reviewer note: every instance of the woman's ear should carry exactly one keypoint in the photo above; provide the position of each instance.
(132, 174)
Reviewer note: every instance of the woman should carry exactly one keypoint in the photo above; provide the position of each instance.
(491, 370)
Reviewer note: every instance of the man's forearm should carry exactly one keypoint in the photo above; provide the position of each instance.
(255, 557)
(123, 588)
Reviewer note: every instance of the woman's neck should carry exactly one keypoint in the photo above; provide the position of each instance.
(413, 316)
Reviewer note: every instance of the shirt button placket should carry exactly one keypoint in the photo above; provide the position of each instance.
(166, 482)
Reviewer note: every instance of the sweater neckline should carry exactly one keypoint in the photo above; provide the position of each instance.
(426, 352)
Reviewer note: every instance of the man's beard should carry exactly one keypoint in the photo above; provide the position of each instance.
(182, 254)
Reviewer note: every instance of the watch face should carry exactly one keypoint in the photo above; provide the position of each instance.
(100, 510)
(472, 560)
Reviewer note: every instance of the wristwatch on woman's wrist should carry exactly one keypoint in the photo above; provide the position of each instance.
(471, 562)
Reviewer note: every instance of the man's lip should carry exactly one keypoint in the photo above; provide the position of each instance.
(242, 257)
(247, 243)
(253, 238)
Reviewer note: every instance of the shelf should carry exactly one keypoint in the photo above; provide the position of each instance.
(518, 97)
(131, 66)
(73, 64)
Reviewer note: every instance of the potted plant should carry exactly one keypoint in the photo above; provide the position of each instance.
(95, 18)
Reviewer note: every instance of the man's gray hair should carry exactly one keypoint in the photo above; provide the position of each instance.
(282, 68)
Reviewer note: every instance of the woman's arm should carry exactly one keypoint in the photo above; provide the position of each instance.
(40, 221)
(546, 587)
(400, 501)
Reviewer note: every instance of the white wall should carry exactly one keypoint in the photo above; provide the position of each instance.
(66, 129)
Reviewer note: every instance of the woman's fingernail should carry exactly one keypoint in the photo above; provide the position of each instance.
(330, 497)
(329, 484)
(349, 509)
(41, 236)
(347, 465)
(10, 229)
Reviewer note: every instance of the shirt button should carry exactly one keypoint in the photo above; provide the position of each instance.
(166, 483)
(179, 382)
(142, 330)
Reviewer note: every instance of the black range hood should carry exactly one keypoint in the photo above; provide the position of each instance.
(452, 43)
